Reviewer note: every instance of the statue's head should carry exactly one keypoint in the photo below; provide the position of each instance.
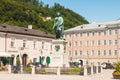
(58, 13)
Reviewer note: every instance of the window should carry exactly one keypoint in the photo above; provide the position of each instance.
(92, 42)
(104, 52)
(87, 34)
(93, 33)
(98, 42)
(98, 52)
(104, 33)
(110, 32)
(87, 43)
(75, 52)
(104, 42)
(87, 53)
(80, 34)
(80, 43)
(116, 42)
(115, 52)
(69, 44)
(70, 35)
(116, 31)
(99, 33)
(34, 44)
(75, 44)
(69, 54)
(12, 42)
(92, 52)
(24, 43)
(43, 45)
(109, 52)
(80, 53)
(75, 34)
(109, 42)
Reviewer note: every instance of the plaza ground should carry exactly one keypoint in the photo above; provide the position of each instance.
(105, 75)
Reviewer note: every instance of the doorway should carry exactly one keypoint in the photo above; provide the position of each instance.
(24, 60)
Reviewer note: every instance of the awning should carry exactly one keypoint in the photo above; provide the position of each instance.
(4, 54)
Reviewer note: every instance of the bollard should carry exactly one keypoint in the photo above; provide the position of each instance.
(33, 69)
(58, 71)
(21, 69)
(9, 69)
(91, 69)
(101, 69)
(97, 69)
(85, 70)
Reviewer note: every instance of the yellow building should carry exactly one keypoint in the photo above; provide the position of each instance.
(94, 43)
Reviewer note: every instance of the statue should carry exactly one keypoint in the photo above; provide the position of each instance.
(58, 26)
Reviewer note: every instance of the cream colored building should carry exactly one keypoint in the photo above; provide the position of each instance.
(30, 45)
(94, 43)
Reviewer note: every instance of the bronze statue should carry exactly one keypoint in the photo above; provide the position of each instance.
(58, 26)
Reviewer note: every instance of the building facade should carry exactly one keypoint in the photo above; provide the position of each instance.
(94, 43)
(28, 44)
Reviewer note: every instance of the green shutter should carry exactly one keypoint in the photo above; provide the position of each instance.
(8, 60)
(48, 60)
(40, 60)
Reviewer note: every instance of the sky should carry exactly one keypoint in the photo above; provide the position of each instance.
(92, 10)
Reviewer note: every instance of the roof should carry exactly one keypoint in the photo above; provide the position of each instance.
(25, 31)
(93, 26)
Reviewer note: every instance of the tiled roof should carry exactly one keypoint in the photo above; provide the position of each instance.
(93, 26)
(25, 31)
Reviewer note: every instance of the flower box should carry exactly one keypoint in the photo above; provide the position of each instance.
(116, 76)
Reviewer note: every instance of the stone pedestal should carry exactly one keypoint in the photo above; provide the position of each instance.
(9, 69)
(91, 69)
(21, 69)
(85, 70)
(59, 57)
(58, 71)
(96, 69)
(33, 69)
(101, 69)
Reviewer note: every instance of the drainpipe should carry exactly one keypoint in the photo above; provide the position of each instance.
(6, 42)
(118, 43)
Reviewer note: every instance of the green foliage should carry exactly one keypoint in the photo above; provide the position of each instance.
(73, 64)
(28, 70)
(41, 71)
(18, 61)
(25, 12)
(75, 71)
(116, 73)
(117, 69)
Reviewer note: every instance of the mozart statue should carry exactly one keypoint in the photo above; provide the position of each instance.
(58, 26)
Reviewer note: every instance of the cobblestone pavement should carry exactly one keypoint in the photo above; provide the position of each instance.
(105, 75)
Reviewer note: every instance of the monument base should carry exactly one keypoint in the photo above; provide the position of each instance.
(59, 57)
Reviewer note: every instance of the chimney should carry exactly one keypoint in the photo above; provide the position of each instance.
(29, 26)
